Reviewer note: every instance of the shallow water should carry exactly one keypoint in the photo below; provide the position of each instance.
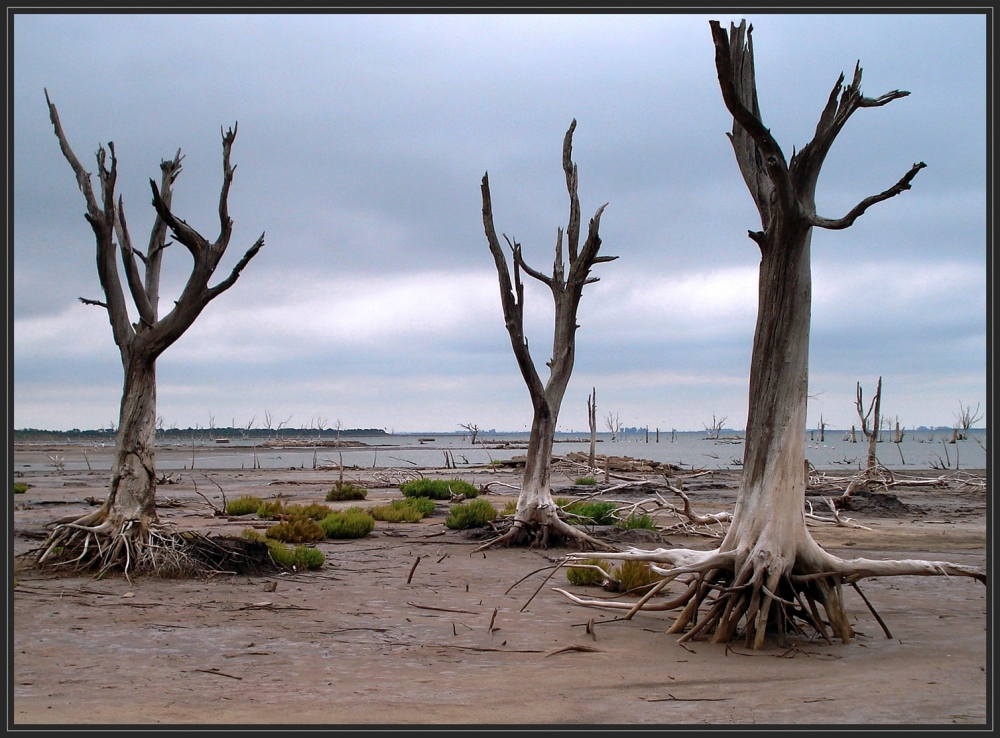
(918, 450)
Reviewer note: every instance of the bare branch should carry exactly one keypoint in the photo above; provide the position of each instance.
(85, 301)
(848, 220)
(135, 285)
(519, 262)
(234, 275)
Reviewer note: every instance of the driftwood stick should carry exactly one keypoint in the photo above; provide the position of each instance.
(412, 569)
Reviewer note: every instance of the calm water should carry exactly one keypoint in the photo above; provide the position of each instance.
(918, 450)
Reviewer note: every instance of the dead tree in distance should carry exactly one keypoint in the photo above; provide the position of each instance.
(473, 431)
(870, 422)
(613, 422)
(537, 513)
(592, 421)
(715, 430)
(125, 531)
(768, 573)
(966, 418)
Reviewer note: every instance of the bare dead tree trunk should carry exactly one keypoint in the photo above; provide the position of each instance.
(768, 572)
(592, 420)
(537, 513)
(870, 422)
(121, 533)
(473, 431)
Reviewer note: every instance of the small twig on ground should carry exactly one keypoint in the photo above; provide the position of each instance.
(575, 647)
(412, 569)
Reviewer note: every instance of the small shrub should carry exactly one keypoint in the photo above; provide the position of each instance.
(270, 510)
(588, 577)
(438, 489)
(341, 492)
(633, 521)
(424, 505)
(296, 530)
(404, 509)
(586, 481)
(313, 510)
(281, 554)
(252, 535)
(243, 505)
(591, 513)
(301, 557)
(510, 508)
(20, 488)
(307, 557)
(635, 577)
(397, 513)
(351, 523)
(474, 514)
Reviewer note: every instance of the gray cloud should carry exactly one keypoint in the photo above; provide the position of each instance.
(362, 142)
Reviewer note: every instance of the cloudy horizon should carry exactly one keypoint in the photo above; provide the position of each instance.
(374, 302)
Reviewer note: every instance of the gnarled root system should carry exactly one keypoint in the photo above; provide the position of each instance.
(728, 596)
(99, 542)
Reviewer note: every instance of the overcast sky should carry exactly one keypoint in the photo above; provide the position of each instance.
(362, 143)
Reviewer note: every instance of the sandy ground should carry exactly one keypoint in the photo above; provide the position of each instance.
(354, 644)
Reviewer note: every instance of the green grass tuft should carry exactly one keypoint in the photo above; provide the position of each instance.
(243, 505)
(587, 577)
(585, 481)
(633, 522)
(296, 530)
(635, 577)
(313, 510)
(346, 491)
(474, 514)
(591, 513)
(270, 510)
(396, 512)
(438, 489)
(351, 523)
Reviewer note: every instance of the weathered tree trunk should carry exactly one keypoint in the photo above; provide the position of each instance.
(537, 514)
(123, 531)
(133, 472)
(768, 574)
(592, 420)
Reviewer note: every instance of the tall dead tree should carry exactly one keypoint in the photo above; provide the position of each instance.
(592, 421)
(125, 531)
(537, 514)
(870, 421)
(768, 574)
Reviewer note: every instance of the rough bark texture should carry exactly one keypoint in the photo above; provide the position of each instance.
(537, 514)
(768, 574)
(128, 517)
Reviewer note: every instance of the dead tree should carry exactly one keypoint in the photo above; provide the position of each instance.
(125, 531)
(715, 430)
(613, 422)
(768, 574)
(537, 514)
(870, 421)
(592, 420)
(473, 431)
(822, 429)
(966, 419)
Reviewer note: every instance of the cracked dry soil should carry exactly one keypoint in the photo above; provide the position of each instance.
(354, 644)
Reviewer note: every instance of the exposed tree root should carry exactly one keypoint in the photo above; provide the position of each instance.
(97, 543)
(754, 593)
(549, 531)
